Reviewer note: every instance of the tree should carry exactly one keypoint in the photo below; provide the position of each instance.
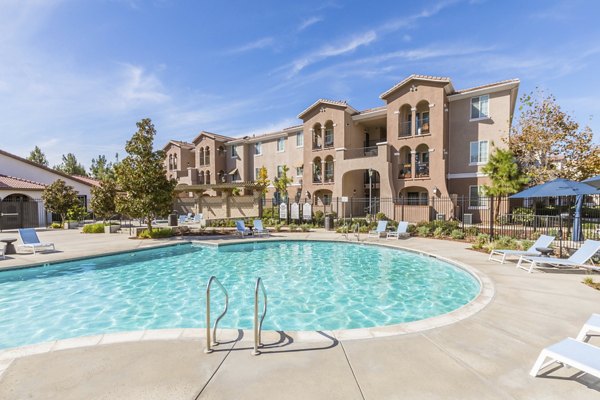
(263, 179)
(282, 182)
(144, 190)
(37, 156)
(505, 174)
(70, 166)
(101, 168)
(548, 143)
(59, 198)
(103, 199)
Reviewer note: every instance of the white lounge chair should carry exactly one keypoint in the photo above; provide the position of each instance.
(381, 227)
(259, 229)
(570, 352)
(542, 241)
(30, 240)
(182, 219)
(197, 218)
(241, 229)
(591, 325)
(577, 260)
(402, 231)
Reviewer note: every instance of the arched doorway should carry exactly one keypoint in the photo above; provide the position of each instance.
(18, 210)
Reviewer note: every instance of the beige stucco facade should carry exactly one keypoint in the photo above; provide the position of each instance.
(427, 140)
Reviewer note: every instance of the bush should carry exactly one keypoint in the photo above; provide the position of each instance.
(481, 240)
(505, 242)
(342, 229)
(278, 227)
(457, 234)
(438, 232)
(305, 227)
(319, 218)
(380, 216)
(472, 231)
(56, 225)
(525, 244)
(156, 233)
(423, 231)
(364, 229)
(94, 228)
(293, 227)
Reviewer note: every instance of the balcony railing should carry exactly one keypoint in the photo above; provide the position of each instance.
(405, 171)
(328, 178)
(316, 178)
(317, 146)
(372, 151)
(422, 170)
(405, 129)
(328, 144)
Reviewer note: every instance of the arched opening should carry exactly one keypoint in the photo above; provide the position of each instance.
(423, 117)
(422, 161)
(329, 169)
(170, 162)
(221, 177)
(207, 178)
(317, 137)
(414, 195)
(405, 121)
(201, 177)
(207, 156)
(317, 170)
(322, 197)
(174, 161)
(201, 155)
(328, 134)
(405, 163)
(221, 151)
(17, 211)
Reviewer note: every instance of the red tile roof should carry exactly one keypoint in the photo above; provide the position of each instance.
(10, 182)
(487, 85)
(87, 179)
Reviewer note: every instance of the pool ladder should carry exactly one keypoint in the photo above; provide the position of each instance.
(211, 337)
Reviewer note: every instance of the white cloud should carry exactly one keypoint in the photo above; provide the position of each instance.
(308, 22)
(255, 45)
(140, 87)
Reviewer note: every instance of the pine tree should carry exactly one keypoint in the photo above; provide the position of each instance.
(37, 156)
(71, 166)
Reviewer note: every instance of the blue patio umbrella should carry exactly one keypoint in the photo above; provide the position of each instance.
(593, 181)
(561, 188)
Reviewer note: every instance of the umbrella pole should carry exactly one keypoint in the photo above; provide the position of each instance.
(560, 235)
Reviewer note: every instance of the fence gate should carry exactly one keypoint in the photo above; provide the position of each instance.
(19, 213)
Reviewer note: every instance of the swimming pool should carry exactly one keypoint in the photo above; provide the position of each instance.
(311, 285)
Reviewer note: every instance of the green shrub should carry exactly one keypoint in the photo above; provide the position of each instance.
(56, 225)
(457, 234)
(481, 240)
(505, 243)
(319, 218)
(342, 229)
(364, 229)
(94, 228)
(278, 227)
(472, 231)
(155, 233)
(423, 231)
(305, 227)
(438, 232)
(293, 227)
(380, 216)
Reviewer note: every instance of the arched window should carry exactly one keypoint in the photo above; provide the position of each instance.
(174, 161)
(329, 169)
(328, 134)
(201, 177)
(317, 137)
(405, 121)
(201, 153)
(170, 162)
(423, 118)
(422, 161)
(405, 163)
(207, 179)
(221, 177)
(207, 155)
(221, 151)
(317, 170)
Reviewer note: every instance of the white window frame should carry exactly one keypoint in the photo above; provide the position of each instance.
(282, 141)
(478, 144)
(258, 149)
(481, 203)
(478, 100)
(300, 138)
(234, 153)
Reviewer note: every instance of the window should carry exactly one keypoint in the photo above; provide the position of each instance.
(476, 196)
(279, 171)
(257, 149)
(236, 176)
(423, 123)
(281, 144)
(300, 139)
(300, 171)
(175, 161)
(234, 151)
(479, 107)
(328, 137)
(479, 152)
(170, 162)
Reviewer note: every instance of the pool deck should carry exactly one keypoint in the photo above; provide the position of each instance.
(485, 356)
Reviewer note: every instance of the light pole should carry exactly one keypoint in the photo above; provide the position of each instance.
(370, 189)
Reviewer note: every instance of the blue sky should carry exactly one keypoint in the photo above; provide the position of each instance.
(75, 76)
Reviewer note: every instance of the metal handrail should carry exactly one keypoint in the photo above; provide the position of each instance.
(213, 342)
(257, 324)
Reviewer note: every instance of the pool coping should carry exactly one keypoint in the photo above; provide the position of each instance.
(481, 300)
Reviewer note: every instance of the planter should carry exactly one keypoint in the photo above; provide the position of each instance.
(111, 228)
(71, 225)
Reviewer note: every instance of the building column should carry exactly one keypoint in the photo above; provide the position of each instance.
(413, 164)
(413, 122)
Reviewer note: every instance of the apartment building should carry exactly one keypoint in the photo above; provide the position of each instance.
(427, 140)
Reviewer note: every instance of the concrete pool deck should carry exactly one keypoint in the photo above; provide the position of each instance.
(485, 356)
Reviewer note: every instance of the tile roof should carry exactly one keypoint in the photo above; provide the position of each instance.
(487, 85)
(11, 182)
(412, 77)
(327, 101)
(368, 110)
(87, 179)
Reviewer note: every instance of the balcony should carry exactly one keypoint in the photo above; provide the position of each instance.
(422, 170)
(317, 146)
(405, 129)
(361, 152)
(405, 171)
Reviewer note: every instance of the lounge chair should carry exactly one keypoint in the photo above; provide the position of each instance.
(30, 240)
(241, 229)
(570, 352)
(402, 231)
(381, 227)
(542, 241)
(197, 218)
(182, 219)
(577, 260)
(591, 325)
(259, 229)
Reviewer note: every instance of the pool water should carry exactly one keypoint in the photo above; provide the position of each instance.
(310, 286)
